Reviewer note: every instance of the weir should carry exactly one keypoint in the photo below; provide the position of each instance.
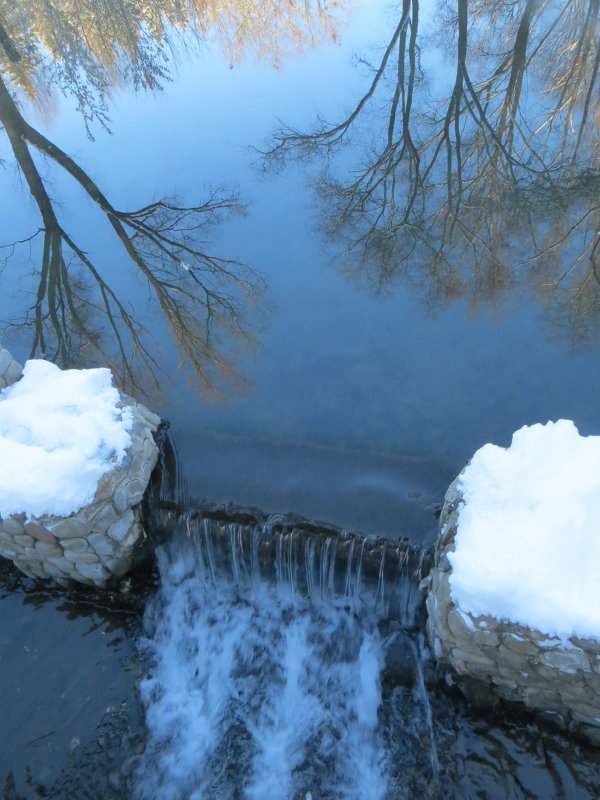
(269, 643)
(302, 558)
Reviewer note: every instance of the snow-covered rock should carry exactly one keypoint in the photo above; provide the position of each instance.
(75, 460)
(514, 594)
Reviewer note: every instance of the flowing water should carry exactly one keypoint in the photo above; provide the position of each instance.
(267, 654)
(332, 329)
(290, 662)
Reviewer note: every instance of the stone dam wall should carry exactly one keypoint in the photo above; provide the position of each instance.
(558, 679)
(103, 539)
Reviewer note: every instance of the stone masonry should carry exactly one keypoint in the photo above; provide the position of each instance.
(559, 679)
(10, 370)
(102, 539)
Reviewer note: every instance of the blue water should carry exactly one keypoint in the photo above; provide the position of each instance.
(333, 365)
(347, 404)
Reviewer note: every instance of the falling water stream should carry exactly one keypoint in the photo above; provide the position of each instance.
(267, 649)
(286, 660)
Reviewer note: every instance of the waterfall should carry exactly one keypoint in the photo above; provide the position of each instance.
(303, 559)
(267, 644)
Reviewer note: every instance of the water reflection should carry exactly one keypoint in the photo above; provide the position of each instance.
(85, 49)
(481, 170)
(50, 707)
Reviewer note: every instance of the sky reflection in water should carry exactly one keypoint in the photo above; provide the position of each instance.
(395, 310)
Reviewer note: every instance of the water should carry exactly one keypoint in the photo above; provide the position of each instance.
(257, 694)
(379, 318)
(303, 559)
(258, 690)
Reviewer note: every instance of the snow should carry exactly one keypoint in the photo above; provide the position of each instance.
(60, 431)
(528, 534)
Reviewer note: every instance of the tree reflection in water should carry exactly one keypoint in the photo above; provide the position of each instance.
(491, 180)
(84, 48)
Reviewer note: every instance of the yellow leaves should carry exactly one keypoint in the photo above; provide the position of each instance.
(98, 39)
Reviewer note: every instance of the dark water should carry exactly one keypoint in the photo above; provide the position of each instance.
(386, 303)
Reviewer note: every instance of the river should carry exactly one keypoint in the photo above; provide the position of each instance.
(378, 252)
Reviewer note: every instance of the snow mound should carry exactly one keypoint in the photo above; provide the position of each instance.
(60, 431)
(528, 536)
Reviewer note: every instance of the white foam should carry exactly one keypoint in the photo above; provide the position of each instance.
(279, 699)
(60, 431)
(527, 545)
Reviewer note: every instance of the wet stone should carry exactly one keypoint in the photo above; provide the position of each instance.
(13, 373)
(509, 658)
(590, 733)
(507, 685)
(458, 625)
(107, 485)
(54, 571)
(31, 569)
(5, 360)
(537, 697)
(59, 561)
(130, 539)
(486, 637)
(101, 517)
(120, 498)
(583, 715)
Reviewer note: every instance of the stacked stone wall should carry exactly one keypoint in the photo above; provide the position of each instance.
(101, 540)
(559, 679)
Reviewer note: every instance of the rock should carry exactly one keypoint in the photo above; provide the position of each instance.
(101, 538)
(120, 529)
(71, 527)
(101, 544)
(13, 525)
(75, 545)
(560, 680)
(39, 532)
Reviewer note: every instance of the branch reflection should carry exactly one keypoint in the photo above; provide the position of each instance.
(482, 170)
(84, 48)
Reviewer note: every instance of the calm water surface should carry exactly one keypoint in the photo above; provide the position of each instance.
(392, 319)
